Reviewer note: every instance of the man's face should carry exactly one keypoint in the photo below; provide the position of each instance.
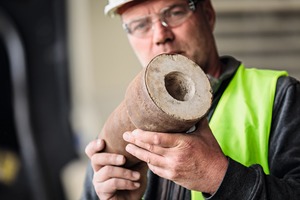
(193, 38)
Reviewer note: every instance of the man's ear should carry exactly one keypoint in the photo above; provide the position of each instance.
(209, 13)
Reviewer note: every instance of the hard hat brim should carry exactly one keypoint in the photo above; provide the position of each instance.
(113, 6)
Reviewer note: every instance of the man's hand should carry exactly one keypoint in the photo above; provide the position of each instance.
(192, 160)
(111, 180)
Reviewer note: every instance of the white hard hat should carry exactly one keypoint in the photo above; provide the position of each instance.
(112, 6)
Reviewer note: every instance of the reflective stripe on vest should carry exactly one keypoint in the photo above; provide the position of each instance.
(241, 121)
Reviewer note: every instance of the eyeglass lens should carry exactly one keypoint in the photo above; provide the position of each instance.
(170, 16)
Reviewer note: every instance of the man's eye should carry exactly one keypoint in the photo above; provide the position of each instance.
(176, 12)
(140, 26)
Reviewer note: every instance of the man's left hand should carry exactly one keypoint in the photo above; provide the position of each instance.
(192, 160)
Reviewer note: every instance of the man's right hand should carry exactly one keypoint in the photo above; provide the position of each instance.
(111, 180)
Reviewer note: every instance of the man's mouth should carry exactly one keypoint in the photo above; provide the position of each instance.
(175, 52)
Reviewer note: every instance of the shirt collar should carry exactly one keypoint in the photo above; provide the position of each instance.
(229, 66)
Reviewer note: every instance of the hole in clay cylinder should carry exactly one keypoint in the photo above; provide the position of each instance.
(179, 86)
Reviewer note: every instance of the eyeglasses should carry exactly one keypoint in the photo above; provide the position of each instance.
(169, 17)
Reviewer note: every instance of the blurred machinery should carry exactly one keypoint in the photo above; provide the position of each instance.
(36, 139)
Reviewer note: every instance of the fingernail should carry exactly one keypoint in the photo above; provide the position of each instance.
(120, 159)
(136, 184)
(136, 175)
(135, 132)
(98, 143)
(126, 136)
(128, 147)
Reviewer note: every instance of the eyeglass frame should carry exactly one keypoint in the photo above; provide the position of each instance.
(191, 5)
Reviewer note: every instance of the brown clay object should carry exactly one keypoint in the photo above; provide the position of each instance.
(170, 95)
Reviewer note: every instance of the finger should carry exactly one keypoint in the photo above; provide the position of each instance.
(149, 147)
(146, 156)
(109, 172)
(112, 185)
(154, 138)
(101, 159)
(94, 147)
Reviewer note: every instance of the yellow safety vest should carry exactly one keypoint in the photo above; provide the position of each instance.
(241, 121)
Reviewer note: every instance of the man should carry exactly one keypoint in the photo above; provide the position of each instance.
(247, 148)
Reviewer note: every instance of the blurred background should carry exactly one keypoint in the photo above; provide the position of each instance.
(64, 67)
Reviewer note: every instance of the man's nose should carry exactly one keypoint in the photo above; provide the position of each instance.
(162, 33)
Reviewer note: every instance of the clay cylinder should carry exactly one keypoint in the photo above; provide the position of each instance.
(170, 95)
